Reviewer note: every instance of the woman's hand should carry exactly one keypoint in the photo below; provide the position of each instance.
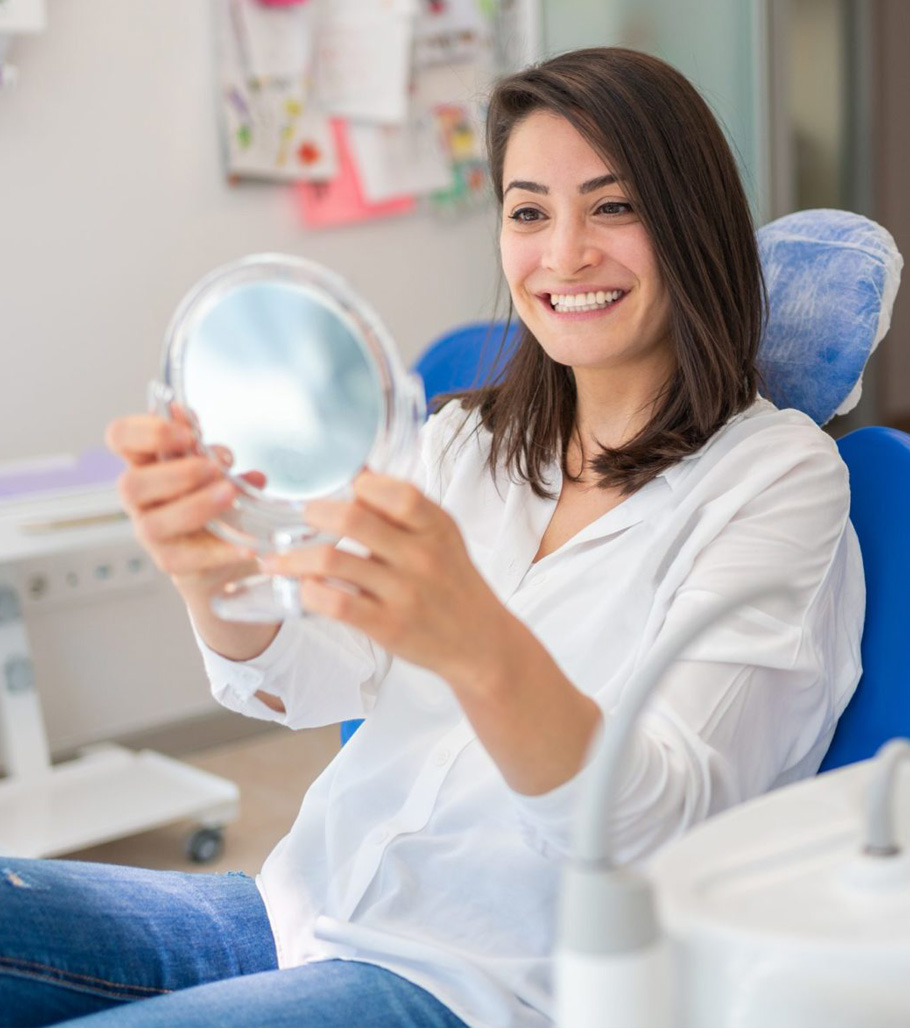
(171, 493)
(417, 593)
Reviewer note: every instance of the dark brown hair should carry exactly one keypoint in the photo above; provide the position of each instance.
(655, 130)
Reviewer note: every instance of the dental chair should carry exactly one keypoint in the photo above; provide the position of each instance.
(831, 278)
(879, 463)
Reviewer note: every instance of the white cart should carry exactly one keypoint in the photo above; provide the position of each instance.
(106, 791)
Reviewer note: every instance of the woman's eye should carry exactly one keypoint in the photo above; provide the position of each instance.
(526, 215)
(615, 207)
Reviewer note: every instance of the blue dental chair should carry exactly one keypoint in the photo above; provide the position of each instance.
(879, 463)
(831, 278)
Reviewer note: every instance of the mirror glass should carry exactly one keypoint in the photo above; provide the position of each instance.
(282, 381)
(278, 363)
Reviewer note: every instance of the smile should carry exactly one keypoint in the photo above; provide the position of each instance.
(580, 303)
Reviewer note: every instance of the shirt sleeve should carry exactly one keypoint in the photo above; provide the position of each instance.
(754, 702)
(323, 671)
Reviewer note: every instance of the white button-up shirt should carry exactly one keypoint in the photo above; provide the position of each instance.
(411, 852)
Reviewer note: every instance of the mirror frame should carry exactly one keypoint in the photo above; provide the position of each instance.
(257, 520)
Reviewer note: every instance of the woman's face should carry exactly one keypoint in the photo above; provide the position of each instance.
(579, 264)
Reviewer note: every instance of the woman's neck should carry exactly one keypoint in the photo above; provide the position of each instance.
(613, 408)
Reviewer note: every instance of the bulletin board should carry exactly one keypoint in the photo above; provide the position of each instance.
(374, 107)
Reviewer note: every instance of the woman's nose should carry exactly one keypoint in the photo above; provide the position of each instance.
(570, 250)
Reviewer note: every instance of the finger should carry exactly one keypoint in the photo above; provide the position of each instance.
(328, 563)
(396, 500)
(200, 553)
(254, 478)
(353, 520)
(142, 438)
(186, 515)
(151, 484)
(357, 609)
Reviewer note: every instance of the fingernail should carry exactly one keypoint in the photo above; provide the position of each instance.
(223, 492)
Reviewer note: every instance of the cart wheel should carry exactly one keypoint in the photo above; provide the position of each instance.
(205, 845)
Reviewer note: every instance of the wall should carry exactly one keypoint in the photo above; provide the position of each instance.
(112, 203)
(818, 102)
(714, 43)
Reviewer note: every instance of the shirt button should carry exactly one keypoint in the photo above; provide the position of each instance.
(442, 757)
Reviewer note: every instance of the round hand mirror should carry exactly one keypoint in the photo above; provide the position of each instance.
(275, 361)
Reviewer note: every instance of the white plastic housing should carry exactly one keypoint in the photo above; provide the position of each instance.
(779, 917)
(624, 991)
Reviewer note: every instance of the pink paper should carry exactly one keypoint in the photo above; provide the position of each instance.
(340, 201)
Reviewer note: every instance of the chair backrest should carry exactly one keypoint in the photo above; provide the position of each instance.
(879, 463)
(468, 356)
(831, 278)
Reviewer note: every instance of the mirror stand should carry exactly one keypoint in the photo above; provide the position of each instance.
(264, 598)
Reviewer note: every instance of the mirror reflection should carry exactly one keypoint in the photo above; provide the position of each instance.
(278, 376)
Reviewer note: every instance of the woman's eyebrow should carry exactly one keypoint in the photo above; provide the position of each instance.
(591, 186)
(530, 187)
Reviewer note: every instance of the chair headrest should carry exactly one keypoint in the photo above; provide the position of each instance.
(831, 277)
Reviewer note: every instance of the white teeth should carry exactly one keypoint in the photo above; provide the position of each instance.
(584, 301)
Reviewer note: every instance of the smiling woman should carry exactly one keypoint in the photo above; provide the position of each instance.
(491, 614)
(614, 176)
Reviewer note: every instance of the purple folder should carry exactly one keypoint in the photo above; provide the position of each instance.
(95, 467)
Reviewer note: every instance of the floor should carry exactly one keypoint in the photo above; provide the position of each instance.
(273, 771)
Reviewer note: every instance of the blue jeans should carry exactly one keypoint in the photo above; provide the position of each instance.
(123, 947)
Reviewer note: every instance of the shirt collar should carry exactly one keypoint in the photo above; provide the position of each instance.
(675, 472)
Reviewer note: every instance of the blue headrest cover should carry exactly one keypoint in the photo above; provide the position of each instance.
(831, 277)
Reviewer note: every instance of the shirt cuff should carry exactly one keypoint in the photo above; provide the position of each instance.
(235, 682)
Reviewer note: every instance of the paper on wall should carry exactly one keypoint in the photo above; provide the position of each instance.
(271, 127)
(23, 16)
(363, 59)
(270, 133)
(340, 201)
(459, 132)
(275, 42)
(450, 32)
(394, 160)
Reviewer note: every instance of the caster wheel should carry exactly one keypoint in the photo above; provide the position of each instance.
(205, 845)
